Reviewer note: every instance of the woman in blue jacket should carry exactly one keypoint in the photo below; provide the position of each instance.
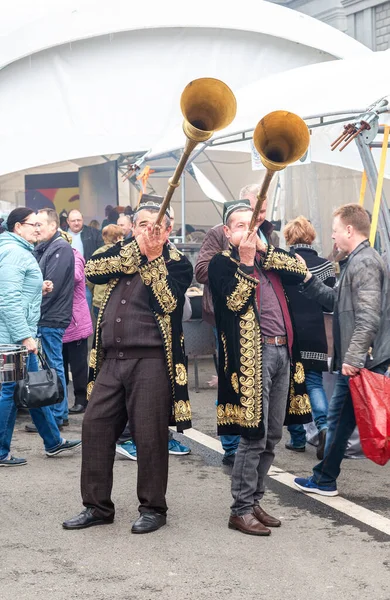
(20, 302)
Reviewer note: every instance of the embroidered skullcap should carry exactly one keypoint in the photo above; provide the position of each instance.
(230, 207)
(149, 202)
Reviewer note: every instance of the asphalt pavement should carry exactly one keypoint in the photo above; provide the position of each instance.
(318, 553)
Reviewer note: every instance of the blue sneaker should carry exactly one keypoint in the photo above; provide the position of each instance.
(175, 447)
(12, 461)
(127, 449)
(309, 485)
(64, 446)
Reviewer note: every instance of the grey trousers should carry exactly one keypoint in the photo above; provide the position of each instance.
(254, 457)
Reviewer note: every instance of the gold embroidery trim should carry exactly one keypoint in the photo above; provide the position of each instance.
(174, 254)
(182, 411)
(89, 389)
(92, 359)
(234, 381)
(281, 261)
(181, 374)
(299, 375)
(130, 258)
(225, 353)
(242, 292)
(102, 266)
(299, 405)
(154, 274)
(164, 322)
(99, 354)
(249, 413)
(228, 414)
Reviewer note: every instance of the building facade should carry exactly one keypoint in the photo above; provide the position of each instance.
(368, 21)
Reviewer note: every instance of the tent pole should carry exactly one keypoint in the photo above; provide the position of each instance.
(363, 188)
(183, 208)
(372, 177)
(379, 187)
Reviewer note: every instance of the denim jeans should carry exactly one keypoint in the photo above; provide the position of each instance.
(88, 295)
(42, 417)
(229, 442)
(319, 407)
(341, 423)
(51, 338)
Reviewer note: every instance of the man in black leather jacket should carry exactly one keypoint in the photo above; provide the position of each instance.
(361, 333)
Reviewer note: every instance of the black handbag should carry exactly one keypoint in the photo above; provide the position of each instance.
(39, 388)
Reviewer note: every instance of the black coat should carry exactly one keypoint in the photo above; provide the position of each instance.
(308, 314)
(56, 261)
(239, 410)
(167, 279)
(92, 240)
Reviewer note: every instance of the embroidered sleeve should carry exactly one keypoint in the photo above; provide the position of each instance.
(245, 284)
(285, 263)
(116, 261)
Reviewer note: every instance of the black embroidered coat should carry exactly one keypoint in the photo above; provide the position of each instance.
(167, 279)
(239, 410)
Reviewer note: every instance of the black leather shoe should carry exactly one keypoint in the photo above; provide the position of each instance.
(85, 519)
(228, 460)
(31, 428)
(148, 522)
(295, 448)
(77, 409)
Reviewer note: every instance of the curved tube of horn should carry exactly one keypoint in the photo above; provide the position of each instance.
(208, 105)
(281, 138)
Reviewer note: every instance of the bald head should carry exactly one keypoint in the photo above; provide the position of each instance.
(75, 221)
(124, 222)
(250, 192)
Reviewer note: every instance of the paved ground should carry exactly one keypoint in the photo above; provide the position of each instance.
(318, 553)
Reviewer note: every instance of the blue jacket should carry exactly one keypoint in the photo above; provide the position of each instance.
(20, 289)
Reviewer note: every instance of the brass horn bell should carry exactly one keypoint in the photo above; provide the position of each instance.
(281, 138)
(207, 105)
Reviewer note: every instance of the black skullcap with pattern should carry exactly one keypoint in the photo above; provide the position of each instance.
(230, 207)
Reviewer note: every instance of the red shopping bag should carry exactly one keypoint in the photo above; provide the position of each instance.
(371, 401)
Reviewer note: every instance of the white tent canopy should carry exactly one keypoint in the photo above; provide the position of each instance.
(335, 86)
(85, 78)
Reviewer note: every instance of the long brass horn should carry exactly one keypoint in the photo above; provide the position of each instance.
(207, 105)
(281, 138)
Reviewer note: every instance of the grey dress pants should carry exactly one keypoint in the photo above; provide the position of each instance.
(254, 457)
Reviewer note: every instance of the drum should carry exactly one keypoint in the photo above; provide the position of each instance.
(12, 363)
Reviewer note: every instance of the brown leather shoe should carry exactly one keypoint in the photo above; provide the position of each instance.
(248, 524)
(265, 518)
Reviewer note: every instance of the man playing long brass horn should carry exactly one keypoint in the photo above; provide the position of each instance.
(138, 369)
(256, 359)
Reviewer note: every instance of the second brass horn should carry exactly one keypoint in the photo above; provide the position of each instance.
(281, 138)
(208, 105)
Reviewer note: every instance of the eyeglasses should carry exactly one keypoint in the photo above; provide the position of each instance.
(35, 225)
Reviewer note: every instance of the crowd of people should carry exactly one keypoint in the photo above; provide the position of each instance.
(266, 306)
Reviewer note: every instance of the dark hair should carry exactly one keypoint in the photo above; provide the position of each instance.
(112, 216)
(18, 215)
(52, 216)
